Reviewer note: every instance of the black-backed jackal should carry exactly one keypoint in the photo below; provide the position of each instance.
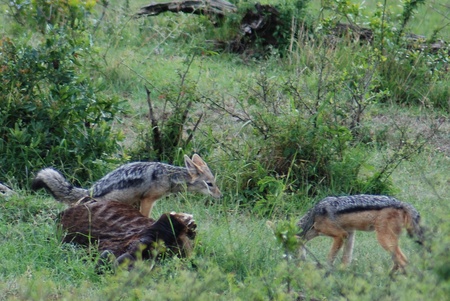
(135, 183)
(339, 217)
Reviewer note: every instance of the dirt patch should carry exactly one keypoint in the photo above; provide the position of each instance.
(434, 128)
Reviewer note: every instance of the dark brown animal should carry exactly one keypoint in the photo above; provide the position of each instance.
(120, 229)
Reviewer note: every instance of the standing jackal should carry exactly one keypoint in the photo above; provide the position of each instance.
(134, 183)
(339, 217)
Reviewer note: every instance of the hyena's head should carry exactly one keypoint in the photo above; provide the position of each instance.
(202, 180)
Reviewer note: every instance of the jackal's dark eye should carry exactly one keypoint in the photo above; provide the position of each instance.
(209, 184)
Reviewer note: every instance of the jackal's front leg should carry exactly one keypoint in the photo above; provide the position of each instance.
(330, 228)
(388, 235)
(338, 241)
(147, 206)
(348, 248)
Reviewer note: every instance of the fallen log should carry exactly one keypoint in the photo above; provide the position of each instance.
(199, 7)
(260, 26)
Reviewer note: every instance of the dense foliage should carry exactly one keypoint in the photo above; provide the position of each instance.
(318, 113)
(53, 112)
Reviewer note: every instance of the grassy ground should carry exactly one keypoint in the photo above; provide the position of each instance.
(236, 256)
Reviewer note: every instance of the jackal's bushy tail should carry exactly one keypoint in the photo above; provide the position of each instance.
(415, 230)
(55, 183)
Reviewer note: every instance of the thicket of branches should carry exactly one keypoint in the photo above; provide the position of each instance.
(300, 125)
(307, 136)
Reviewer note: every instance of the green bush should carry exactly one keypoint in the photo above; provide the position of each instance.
(414, 77)
(309, 147)
(410, 71)
(167, 133)
(52, 112)
(43, 13)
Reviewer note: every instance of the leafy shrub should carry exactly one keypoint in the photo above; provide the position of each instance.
(51, 112)
(409, 69)
(167, 131)
(416, 78)
(60, 13)
(309, 147)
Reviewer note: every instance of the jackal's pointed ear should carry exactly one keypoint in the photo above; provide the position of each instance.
(198, 161)
(192, 168)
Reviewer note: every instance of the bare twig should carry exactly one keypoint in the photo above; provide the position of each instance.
(157, 142)
(188, 140)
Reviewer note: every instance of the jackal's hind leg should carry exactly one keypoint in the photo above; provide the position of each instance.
(348, 248)
(388, 238)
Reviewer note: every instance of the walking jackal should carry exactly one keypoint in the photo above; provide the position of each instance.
(339, 217)
(134, 183)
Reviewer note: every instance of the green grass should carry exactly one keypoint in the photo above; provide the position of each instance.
(433, 15)
(236, 256)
